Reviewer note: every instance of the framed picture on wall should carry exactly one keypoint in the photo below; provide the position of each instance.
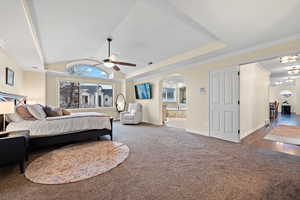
(10, 76)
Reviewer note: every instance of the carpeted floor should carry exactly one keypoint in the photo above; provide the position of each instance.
(169, 164)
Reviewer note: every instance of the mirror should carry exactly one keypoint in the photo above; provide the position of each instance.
(120, 103)
(182, 95)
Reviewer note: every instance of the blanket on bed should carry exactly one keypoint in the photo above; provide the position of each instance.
(63, 124)
(77, 115)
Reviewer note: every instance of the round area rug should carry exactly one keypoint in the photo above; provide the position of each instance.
(76, 162)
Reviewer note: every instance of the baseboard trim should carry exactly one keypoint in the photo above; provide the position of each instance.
(249, 132)
(196, 132)
(152, 123)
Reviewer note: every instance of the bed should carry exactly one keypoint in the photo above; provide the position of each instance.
(63, 129)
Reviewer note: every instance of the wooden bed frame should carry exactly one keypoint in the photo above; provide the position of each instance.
(67, 138)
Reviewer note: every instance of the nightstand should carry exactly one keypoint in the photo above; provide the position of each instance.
(13, 148)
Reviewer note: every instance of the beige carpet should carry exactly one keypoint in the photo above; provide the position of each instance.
(170, 164)
(285, 134)
(76, 162)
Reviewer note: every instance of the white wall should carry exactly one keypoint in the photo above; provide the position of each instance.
(198, 77)
(34, 85)
(7, 61)
(52, 92)
(275, 96)
(151, 109)
(254, 98)
(297, 90)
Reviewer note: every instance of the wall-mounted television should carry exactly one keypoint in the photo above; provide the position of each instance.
(143, 91)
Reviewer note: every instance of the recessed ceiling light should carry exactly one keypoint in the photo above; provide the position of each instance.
(289, 80)
(288, 59)
(294, 70)
(278, 83)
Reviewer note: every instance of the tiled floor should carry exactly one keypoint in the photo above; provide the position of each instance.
(176, 122)
(257, 139)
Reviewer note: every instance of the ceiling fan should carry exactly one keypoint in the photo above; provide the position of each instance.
(109, 62)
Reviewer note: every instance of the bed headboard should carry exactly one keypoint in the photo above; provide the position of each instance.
(18, 99)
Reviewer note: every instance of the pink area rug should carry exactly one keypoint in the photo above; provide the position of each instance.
(76, 162)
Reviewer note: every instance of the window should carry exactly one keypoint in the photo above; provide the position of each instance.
(69, 94)
(169, 94)
(88, 94)
(105, 98)
(85, 95)
(182, 95)
(88, 71)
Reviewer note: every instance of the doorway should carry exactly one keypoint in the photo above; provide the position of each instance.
(174, 101)
(224, 104)
(279, 103)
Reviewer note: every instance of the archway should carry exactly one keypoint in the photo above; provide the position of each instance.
(173, 101)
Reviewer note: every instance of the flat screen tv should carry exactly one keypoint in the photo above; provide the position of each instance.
(143, 91)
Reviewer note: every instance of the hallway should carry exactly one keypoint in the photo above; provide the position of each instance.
(257, 138)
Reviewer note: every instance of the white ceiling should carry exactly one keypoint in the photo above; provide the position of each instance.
(16, 35)
(279, 71)
(145, 30)
(244, 23)
(173, 81)
(71, 29)
(154, 31)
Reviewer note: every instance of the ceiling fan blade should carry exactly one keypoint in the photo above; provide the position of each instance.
(115, 67)
(109, 58)
(124, 63)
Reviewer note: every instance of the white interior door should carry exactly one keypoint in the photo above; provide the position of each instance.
(224, 104)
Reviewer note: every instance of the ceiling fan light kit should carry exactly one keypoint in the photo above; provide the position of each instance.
(110, 63)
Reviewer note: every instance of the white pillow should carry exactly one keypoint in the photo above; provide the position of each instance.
(14, 117)
(37, 111)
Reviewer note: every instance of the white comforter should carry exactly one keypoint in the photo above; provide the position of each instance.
(63, 124)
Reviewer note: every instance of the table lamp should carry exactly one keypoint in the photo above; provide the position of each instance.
(6, 107)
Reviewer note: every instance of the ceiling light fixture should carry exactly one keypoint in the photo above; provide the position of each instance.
(288, 59)
(109, 64)
(294, 70)
(289, 80)
(278, 83)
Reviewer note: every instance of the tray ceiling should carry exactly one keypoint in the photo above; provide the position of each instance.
(145, 31)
